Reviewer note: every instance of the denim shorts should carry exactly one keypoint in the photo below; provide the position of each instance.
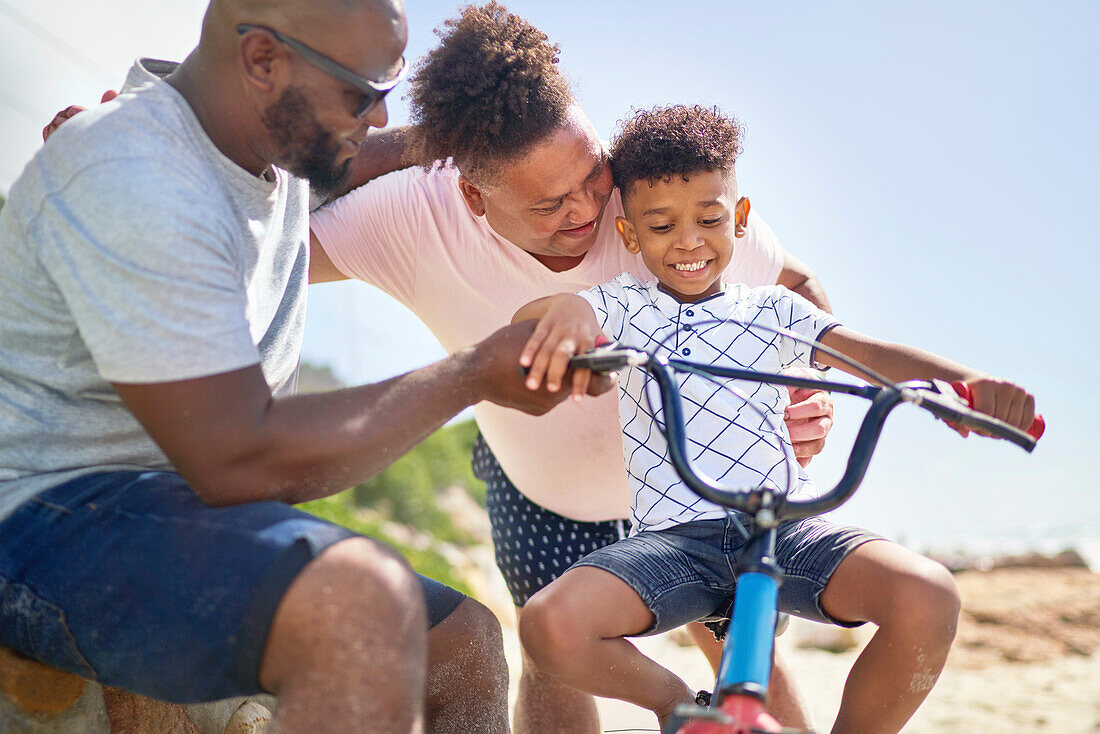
(127, 578)
(534, 545)
(686, 572)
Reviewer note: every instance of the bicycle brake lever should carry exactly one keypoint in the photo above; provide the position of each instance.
(609, 358)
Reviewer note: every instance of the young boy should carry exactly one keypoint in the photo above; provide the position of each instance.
(675, 169)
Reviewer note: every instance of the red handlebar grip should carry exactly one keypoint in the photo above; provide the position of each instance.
(1035, 430)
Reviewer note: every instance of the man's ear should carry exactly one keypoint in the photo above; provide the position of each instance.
(628, 235)
(262, 58)
(473, 196)
(741, 216)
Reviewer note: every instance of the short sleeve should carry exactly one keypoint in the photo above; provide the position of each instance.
(758, 256)
(148, 272)
(802, 318)
(609, 302)
(373, 233)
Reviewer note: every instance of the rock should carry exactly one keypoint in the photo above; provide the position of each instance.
(36, 688)
(38, 699)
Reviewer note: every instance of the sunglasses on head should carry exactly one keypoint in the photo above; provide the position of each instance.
(373, 92)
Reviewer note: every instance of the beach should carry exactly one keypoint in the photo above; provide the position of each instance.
(1026, 659)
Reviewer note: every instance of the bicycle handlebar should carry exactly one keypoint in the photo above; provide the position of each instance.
(943, 400)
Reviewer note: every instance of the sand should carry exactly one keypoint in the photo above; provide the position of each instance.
(1026, 659)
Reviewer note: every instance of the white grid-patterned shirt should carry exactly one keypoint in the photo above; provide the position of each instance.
(727, 440)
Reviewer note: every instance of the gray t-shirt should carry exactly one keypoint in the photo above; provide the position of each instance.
(133, 251)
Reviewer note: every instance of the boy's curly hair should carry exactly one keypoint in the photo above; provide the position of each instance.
(674, 140)
(487, 93)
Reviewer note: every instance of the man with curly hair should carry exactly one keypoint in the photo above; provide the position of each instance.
(524, 207)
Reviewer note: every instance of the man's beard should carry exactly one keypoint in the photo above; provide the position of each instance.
(305, 148)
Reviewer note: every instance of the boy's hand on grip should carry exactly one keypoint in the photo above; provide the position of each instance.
(1002, 399)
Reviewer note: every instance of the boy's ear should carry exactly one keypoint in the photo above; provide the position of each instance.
(741, 216)
(473, 196)
(628, 235)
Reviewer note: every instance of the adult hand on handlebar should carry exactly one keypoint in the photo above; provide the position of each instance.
(809, 419)
(501, 379)
(1001, 399)
(69, 112)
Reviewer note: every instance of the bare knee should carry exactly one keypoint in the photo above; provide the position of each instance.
(467, 672)
(355, 604)
(926, 598)
(470, 642)
(549, 632)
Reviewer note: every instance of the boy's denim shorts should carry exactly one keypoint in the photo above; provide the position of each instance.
(127, 578)
(686, 572)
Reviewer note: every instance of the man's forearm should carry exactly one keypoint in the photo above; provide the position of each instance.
(798, 277)
(382, 152)
(315, 445)
(234, 443)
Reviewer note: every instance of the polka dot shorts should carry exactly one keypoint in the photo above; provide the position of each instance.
(533, 545)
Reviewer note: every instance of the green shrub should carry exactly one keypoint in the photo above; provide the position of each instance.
(406, 491)
(339, 509)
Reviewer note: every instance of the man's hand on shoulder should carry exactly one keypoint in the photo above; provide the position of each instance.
(69, 112)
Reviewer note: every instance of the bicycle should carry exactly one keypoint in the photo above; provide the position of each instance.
(737, 705)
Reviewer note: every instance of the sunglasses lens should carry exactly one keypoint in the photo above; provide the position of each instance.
(370, 99)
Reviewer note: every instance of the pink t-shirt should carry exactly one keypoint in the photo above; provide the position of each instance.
(411, 234)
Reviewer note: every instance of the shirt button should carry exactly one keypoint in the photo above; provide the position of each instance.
(687, 327)
(689, 312)
(686, 351)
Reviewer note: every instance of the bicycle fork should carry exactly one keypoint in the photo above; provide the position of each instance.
(741, 690)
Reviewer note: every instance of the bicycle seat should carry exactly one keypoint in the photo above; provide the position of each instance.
(718, 621)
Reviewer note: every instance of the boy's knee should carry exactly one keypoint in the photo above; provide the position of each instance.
(929, 597)
(548, 633)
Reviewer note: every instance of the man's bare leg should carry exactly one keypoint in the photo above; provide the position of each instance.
(467, 673)
(784, 701)
(546, 706)
(347, 648)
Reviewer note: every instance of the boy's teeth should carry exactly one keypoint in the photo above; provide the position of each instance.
(690, 267)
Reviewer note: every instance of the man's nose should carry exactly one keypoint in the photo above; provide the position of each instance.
(378, 115)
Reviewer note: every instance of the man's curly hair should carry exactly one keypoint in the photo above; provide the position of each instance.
(487, 93)
(677, 140)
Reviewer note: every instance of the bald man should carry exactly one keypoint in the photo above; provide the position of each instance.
(151, 307)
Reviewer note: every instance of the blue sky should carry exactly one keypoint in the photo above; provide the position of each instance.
(934, 162)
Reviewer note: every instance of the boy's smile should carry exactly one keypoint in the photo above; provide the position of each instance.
(684, 227)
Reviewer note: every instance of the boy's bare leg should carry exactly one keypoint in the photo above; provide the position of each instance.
(574, 630)
(784, 701)
(545, 705)
(915, 604)
(467, 673)
(347, 648)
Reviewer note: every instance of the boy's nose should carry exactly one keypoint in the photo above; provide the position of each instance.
(691, 238)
